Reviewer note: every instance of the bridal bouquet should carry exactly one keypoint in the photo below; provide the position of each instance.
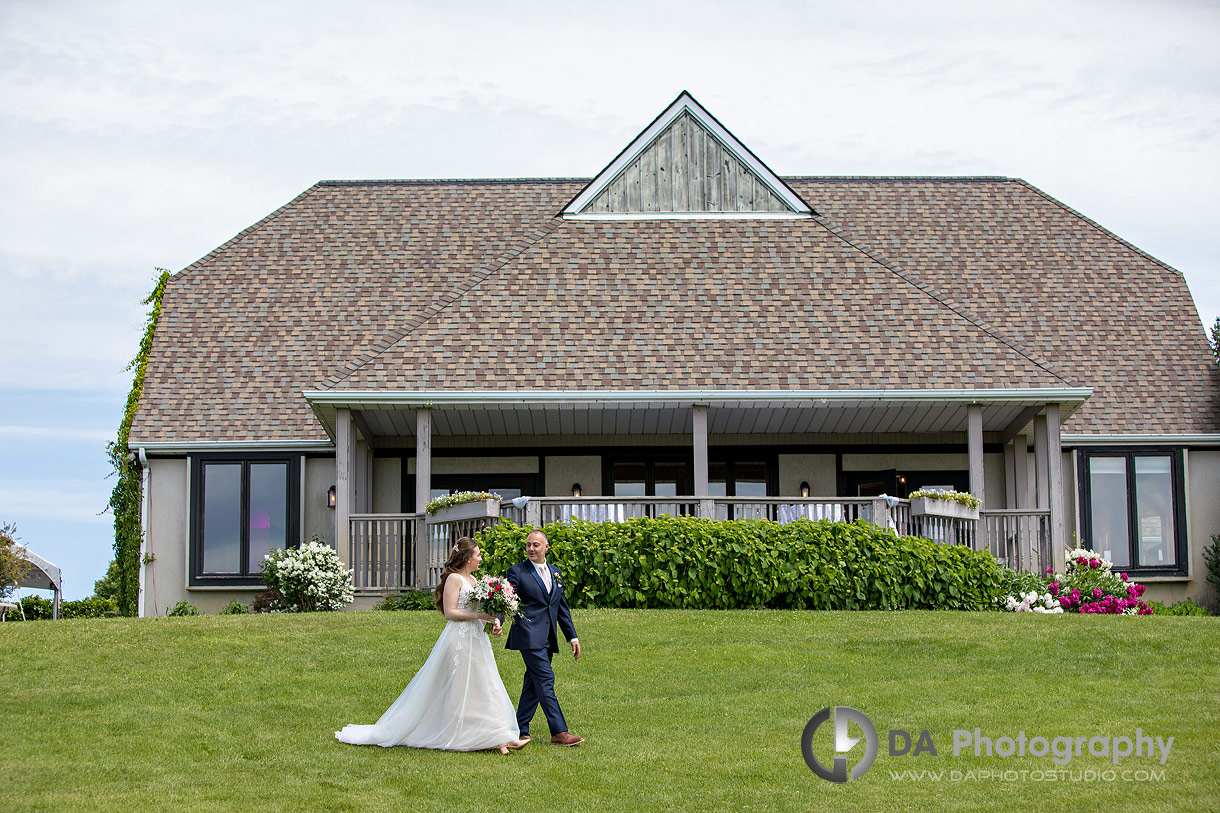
(495, 595)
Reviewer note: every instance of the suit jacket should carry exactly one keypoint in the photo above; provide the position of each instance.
(541, 611)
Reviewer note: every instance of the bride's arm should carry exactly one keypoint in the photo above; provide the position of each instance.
(449, 600)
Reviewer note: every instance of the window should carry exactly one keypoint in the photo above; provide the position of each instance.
(1133, 508)
(243, 509)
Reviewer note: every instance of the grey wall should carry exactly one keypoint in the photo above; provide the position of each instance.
(564, 470)
(318, 519)
(818, 470)
(166, 535)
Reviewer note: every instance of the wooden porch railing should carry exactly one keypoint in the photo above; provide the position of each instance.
(390, 552)
(1020, 539)
(381, 552)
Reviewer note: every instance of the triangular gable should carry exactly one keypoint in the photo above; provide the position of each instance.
(686, 164)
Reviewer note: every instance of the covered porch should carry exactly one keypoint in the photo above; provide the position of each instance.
(1012, 462)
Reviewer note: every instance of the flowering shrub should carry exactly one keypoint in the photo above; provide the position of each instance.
(308, 578)
(1088, 586)
(1033, 602)
(446, 500)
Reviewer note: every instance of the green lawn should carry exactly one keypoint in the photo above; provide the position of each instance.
(682, 710)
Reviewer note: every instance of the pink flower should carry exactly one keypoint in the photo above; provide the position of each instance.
(1124, 575)
(1096, 592)
(1050, 570)
(1053, 588)
(1094, 563)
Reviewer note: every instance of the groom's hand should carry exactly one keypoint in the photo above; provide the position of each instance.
(496, 629)
(576, 650)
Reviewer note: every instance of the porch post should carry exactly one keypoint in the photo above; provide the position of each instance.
(1041, 468)
(343, 485)
(974, 439)
(1054, 459)
(700, 421)
(1020, 450)
(423, 491)
(699, 414)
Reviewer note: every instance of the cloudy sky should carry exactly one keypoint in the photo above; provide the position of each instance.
(138, 135)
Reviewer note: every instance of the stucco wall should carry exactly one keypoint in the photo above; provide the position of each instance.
(911, 462)
(480, 465)
(165, 536)
(564, 470)
(818, 470)
(1203, 508)
(387, 485)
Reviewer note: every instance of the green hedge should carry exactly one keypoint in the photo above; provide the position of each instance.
(684, 562)
(38, 608)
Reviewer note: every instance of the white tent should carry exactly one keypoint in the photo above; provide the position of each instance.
(42, 576)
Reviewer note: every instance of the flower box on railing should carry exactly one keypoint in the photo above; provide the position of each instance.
(949, 509)
(478, 509)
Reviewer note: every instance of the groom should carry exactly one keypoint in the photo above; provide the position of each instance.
(543, 604)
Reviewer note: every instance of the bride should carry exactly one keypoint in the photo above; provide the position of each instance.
(456, 701)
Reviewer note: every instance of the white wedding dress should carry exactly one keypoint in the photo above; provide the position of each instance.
(455, 702)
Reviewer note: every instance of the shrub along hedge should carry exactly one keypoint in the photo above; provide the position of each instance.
(690, 563)
(38, 608)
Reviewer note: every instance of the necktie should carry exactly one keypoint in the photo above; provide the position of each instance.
(545, 574)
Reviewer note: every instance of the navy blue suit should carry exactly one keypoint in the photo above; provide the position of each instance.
(534, 635)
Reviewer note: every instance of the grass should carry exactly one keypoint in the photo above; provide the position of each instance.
(682, 710)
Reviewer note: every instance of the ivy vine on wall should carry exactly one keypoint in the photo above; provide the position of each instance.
(125, 499)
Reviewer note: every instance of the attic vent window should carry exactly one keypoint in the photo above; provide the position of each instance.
(686, 164)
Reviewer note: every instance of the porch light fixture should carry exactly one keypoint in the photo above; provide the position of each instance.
(577, 490)
(330, 497)
(804, 489)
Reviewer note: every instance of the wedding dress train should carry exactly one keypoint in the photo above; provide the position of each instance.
(455, 702)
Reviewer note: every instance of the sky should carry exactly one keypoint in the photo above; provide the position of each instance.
(141, 135)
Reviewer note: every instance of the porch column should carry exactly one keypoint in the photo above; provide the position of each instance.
(423, 491)
(1020, 461)
(699, 415)
(1041, 469)
(343, 485)
(974, 440)
(1054, 473)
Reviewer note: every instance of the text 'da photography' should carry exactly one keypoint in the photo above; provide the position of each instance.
(841, 744)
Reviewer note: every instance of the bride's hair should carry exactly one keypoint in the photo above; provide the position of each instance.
(459, 555)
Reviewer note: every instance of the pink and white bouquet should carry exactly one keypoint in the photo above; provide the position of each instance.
(495, 595)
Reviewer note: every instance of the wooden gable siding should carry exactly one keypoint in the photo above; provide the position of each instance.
(686, 169)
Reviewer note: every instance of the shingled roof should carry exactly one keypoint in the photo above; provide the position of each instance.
(896, 283)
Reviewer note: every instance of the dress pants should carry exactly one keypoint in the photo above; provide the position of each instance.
(538, 689)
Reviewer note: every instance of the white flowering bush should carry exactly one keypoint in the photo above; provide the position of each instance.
(309, 578)
(1033, 602)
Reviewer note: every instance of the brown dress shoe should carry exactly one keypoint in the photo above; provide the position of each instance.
(564, 738)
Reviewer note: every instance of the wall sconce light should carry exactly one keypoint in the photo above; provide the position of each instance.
(902, 479)
(804, 489)
(330, 497)
(577, 490)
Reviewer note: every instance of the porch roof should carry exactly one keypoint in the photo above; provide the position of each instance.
(385, 414)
